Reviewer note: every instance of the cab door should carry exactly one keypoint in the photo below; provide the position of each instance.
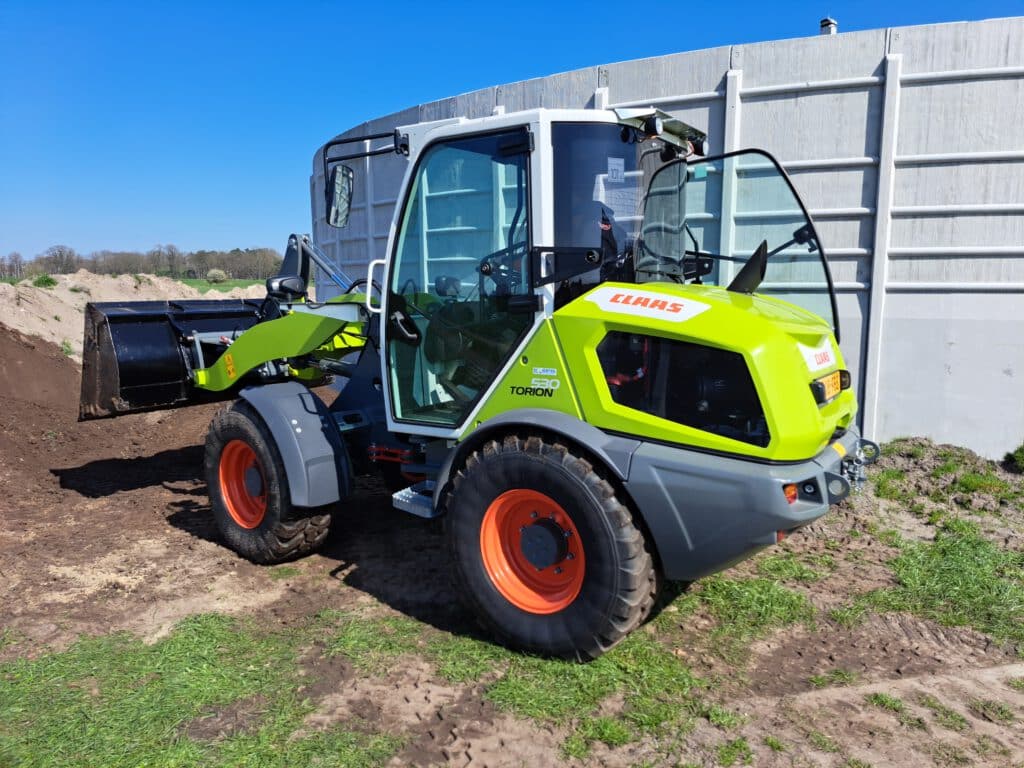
(459, 292)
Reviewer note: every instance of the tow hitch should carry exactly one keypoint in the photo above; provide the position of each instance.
(853, 466)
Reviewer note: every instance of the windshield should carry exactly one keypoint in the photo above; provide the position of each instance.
(704, 219)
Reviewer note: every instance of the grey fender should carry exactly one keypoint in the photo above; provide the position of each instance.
(314, 455)
(614, 452)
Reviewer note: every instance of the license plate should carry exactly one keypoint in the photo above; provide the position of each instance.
(831, 385)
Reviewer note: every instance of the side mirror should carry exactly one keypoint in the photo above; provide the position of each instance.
(339, 195)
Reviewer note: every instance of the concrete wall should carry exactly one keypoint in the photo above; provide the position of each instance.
(908, 146)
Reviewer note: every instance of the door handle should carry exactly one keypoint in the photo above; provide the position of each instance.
(369, 282)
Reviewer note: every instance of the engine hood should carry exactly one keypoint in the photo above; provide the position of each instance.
(786, 348)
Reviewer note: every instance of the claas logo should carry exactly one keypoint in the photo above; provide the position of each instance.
(673, 307)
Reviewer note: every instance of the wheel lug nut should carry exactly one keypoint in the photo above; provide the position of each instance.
(567, 534)
(522, 529)
(570, 556)
(533, 515)
(558, 570)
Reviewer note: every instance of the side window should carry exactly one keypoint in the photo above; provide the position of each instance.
(461, 256)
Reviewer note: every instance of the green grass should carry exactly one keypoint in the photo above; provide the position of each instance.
(853, 762)
(461, 659)
(749, 608)
(44, 281)
(980, 482)
(203, 285)
(66, 348)
(1017, 683)
(822, 742)
(833, 677)
(947, 754)
(657, 687)
(121, 702)
(885, 701)
(944, 716)
(986, 746)
(774, 744)
(946, 468)
(960, 579)
(898, 708)
(371, 644)
(985, 482)
(787, 567)
(849, 615)
(991, 710)
(607, 730)
(889, 485)
(733, 752)
(1014, 460)
(282, 572)
(904, 446)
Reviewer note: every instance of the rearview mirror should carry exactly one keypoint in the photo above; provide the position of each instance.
(339, 196)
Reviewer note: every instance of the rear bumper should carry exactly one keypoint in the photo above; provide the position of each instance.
(708, 512)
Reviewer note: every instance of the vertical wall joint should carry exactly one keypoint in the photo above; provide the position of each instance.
(889, 134)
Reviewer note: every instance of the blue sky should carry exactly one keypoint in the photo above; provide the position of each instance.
(126, 125)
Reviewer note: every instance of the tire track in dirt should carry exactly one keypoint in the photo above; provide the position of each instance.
(882, 647)
(871, 734)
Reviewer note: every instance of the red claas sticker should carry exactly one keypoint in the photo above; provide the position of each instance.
(820, 357)
(630, 301)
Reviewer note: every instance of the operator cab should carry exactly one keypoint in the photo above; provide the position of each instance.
(506, 219)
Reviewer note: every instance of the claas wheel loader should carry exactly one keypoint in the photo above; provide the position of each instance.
(606, 359)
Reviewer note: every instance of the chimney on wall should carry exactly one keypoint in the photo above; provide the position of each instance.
(828, 26)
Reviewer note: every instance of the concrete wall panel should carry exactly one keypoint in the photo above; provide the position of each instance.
(952, 369)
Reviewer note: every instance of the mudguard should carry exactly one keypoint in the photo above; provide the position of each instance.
(315, 458)
(615, 452)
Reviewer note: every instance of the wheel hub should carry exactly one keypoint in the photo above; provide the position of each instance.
(532, 551)
(241, 484)
(543, 543)
(253, 481)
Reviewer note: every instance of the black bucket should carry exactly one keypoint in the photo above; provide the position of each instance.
(139, 355)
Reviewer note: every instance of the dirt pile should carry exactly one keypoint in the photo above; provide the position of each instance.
(56, 313)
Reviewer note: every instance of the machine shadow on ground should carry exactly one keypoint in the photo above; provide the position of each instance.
(105, 477)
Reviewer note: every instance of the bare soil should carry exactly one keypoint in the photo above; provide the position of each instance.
(105, 526)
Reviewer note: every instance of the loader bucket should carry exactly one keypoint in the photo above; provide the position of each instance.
(139, 355)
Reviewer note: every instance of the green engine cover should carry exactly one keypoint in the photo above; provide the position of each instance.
(785, 349)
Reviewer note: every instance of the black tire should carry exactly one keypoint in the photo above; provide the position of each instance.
(619, 585)
(283, 532)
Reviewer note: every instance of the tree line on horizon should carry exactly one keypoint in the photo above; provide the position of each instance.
(163, 260)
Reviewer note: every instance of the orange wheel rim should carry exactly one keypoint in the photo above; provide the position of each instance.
(532, 551)
(242, 484)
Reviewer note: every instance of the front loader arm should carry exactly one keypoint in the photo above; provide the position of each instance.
(294, 335)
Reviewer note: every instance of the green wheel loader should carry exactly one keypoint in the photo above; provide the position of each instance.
(606, 359)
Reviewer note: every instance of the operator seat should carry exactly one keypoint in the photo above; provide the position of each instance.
(291, 280)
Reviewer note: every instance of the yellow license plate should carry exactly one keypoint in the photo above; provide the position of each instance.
(831, 384)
